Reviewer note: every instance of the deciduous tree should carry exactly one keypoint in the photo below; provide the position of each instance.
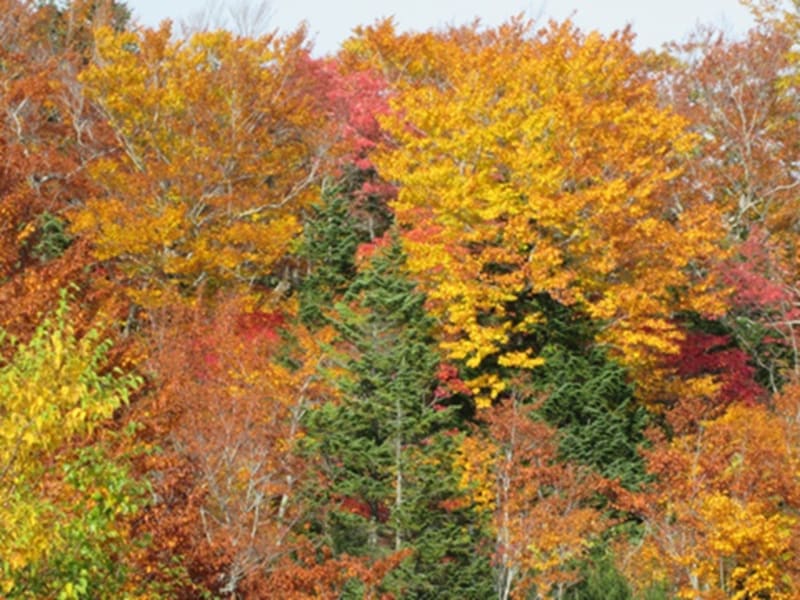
(720, 519)
(533, 162)
(231, 391)
(542, 515)
(63, 502)
(218, 152)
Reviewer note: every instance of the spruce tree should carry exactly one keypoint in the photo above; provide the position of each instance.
(586, 394)
(383, 444)
(329, 246)
(591, 402)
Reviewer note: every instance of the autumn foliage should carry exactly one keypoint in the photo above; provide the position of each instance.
(462, 313)
(548, 174)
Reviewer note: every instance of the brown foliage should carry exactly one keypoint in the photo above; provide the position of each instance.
(226, 408)
(49, 136)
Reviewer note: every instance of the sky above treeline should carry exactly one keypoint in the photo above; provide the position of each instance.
(330, 22)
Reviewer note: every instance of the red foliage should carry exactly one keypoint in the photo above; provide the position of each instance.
(706, 354)
(355, 98)
(450, 383)
(366, 251)
(226, 414)
(260, 326)
(359, 507)
(754, 275)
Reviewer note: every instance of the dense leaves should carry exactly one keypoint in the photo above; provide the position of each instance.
(721, 516)
(546, 174)
(63, 503)
(216, 156)
(383, 442)
(473, 312)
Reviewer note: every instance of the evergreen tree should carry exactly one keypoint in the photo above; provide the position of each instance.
(383, 445)
(590, 401)
(329, 246)
(587, 395)
(601, 580)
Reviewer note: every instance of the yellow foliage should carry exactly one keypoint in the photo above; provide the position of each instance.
(539, 163)
(722, 518)
(50, 395)
(474, 460)
(218, 156)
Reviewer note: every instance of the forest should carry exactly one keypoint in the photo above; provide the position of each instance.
(470, 313)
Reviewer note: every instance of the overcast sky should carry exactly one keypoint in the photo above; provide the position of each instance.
(330, 21)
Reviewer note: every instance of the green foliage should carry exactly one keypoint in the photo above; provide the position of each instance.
(62, 504)
(590, 401)
(383, 443)
(89, 541)
(53, 238)
(444, 534)
(769, 348)
(588, 396)
(581, 241)
(559, 325)
(329, 247)
(601, 580)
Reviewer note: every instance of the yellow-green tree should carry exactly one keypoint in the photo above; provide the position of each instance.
(62, 502)
(539, 162)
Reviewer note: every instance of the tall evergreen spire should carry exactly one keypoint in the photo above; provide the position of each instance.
(387, 459)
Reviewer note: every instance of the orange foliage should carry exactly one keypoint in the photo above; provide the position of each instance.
(49, 137)
(217, 155)
(307, 576)
(720, 521)
(231, 390)
(540, 162)
(542, 517)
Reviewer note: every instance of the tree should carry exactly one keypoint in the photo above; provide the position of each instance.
(64, 498)
(231, 388)
(540, 163)
(542, 516)
(49, 135)
(720, 517)
(710, 374)
(218, 153)
(589, 400)
(739, 95)
(330, 241)
(386, 459)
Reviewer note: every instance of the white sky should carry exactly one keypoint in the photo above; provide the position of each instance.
(330, 21)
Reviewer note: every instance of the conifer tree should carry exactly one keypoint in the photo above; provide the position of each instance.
(587, 395)
(590, 401)
(329, 247)
(383, 445)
